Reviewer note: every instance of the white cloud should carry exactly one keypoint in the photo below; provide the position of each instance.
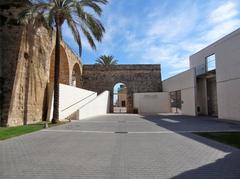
(224, 12)
(223, 20)
(220, 30)
(192, 45)
(161, 41)
(169, 41)
(165, 36)
(174, 26)
(116, 31)
(113, 26)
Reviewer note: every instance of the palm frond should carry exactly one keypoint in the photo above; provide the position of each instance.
(89, 37)
(92, 23)
(106, 60)
(73, 12)
(75, 33)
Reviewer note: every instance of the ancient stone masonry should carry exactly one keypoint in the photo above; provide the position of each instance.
(27, 68)
(137, 78)
(10, 35)
(27, 58)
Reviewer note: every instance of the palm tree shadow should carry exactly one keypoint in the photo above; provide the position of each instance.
(33, 73)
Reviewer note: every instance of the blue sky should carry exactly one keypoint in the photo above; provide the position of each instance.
(162, 32)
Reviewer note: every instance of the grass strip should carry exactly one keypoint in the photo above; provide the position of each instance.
(229, 138)
(9, 132)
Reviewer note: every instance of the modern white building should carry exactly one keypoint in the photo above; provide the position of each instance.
(212, 84)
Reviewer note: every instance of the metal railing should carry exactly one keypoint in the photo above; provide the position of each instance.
(205, 67)
(78, 102)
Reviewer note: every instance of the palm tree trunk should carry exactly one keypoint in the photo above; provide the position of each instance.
(56, 77)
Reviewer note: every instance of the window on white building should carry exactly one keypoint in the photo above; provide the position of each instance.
(211, 62)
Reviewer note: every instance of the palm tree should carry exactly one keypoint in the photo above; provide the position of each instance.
(106, 60)
(77, 15)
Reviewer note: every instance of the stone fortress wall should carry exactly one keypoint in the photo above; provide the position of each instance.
(27, 66)
(137, 78)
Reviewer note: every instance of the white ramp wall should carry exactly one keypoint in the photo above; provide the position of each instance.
(152, 102)
(71, 99)
(98, 106)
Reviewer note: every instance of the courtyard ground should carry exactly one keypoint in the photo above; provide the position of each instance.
(122, 146)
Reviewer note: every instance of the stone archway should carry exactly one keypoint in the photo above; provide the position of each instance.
(76, 74)
(137, 78)
(129, 93)
(120, 98)
(64, 76)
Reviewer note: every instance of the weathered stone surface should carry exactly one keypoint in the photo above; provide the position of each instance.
(10, 39)
(27, 58)
(137, 78)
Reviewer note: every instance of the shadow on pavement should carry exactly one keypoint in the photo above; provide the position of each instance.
(226, 167)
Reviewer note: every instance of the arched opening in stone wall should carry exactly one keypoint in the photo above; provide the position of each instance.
(120, 98)
(76, 76)
(64, 68)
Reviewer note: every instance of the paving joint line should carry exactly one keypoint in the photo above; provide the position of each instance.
(143, 132)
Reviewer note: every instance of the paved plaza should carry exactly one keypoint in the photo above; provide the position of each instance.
(122, 146)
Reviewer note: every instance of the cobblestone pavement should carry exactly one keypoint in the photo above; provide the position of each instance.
(122, 147)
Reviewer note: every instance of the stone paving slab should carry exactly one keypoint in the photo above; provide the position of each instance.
(65, 152)
(140, 123)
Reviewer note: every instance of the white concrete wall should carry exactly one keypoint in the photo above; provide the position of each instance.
(229, 99)
(96, 107)
(186, 83)
(71, 99)
(151, 102)
(227, 51)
